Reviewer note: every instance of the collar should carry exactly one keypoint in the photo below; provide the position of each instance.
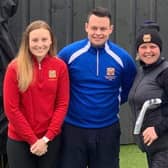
(152, 66)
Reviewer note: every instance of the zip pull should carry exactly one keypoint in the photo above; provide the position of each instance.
(39, 66)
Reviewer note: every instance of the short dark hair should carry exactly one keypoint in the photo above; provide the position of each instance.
(100, 12)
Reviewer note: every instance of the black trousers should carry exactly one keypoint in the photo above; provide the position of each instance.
(91, 148)
(19, 155)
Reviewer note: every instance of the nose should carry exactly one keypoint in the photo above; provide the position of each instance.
(98, 31)
(40, 44)
(148, 49)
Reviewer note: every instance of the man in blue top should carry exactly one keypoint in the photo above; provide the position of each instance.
(101, 74)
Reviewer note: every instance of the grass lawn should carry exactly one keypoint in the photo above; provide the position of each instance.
(132, 157)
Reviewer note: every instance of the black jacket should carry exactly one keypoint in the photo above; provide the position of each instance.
(8, 51)
(152, 82)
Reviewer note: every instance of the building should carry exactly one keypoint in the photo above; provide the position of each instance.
(67, 19)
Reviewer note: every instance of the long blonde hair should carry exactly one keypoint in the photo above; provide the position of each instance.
(24, 58)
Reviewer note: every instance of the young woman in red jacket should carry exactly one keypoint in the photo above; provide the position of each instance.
(36, 96)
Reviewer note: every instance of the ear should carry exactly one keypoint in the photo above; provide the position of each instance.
(111, 29)
(86, 26)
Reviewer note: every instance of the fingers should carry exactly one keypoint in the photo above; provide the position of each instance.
(41, 153)
(149, 135)
(39, 148)
(148, 141)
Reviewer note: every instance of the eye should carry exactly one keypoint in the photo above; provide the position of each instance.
(143, 47)
(44, 39)
(34, 40)
(103, 28)
(94, 28)
(153, 46)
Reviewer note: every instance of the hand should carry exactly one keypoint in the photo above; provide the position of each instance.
(39, 148)
(149, 135)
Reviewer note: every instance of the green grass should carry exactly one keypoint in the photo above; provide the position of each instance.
(132, 157)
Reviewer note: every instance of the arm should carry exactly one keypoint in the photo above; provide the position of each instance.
(128, 76)
(150, 134)
(61, 104)
(39, 148)
(12, 106)
(163, 81)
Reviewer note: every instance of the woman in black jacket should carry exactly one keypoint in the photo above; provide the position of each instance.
(151, 82)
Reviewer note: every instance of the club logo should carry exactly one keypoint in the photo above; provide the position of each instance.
(52, 74)
(110, 73)
(147, 38)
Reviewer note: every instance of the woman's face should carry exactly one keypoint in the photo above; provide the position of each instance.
(39, 43)
(149, 53)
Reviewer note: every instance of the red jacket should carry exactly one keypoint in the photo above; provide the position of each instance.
(41, 109)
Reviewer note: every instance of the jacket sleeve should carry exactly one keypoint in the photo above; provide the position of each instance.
(162, 127)
(12, 107)
(61, 104)
(129, 73)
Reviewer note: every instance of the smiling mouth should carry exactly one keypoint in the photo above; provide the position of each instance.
(97, 39)
(149, 56)
(42, 50)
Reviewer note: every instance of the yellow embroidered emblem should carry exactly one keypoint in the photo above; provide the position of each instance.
(52, 74)
(147, 38)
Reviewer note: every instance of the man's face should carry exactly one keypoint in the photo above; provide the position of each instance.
(98, 29)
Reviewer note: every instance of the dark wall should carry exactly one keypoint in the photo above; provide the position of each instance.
(67, 18)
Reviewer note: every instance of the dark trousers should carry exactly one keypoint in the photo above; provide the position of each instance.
(95, 148)
(19, 155)
(158, 159)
